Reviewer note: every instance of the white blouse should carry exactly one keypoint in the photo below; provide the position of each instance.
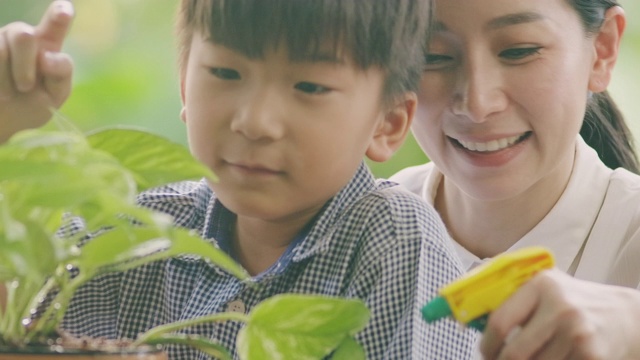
(593, 230)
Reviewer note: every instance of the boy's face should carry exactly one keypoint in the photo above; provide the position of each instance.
(282, 136)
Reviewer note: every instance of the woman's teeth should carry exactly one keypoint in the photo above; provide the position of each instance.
(493, 145)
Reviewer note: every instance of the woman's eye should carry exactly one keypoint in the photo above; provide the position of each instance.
(311, 88)
(519, 53)
(225, 74)
(437, 61)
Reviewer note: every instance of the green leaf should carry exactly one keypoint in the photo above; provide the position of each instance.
(300, 326)
(187, 242)
(120, 245)
(145, 244)
(48, 173)
(154, 160)
(60, 170)
(30, 141)
(349, 349)
(29, 170)
(31, 252)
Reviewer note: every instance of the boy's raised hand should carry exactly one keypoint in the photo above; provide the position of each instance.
(34, 75)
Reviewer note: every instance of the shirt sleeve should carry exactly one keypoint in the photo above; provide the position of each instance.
(444, 339)
(417, 262)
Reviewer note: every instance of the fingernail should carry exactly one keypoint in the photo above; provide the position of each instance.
(64, 7)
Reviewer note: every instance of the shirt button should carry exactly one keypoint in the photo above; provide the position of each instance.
(236, 306)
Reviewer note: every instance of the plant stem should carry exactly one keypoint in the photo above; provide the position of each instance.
(9, 313)
(56, 310)
(162, 329)
(196, 341)
(42, 294)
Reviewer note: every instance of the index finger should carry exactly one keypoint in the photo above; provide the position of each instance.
(54, 25)
(512, 314)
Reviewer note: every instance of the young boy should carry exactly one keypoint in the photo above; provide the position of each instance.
(282, 100)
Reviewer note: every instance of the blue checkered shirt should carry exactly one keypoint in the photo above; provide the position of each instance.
(364, 244)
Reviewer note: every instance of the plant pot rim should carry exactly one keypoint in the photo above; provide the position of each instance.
(59, 350)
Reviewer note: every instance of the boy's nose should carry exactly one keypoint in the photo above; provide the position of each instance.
(479, 93)
(261, 116)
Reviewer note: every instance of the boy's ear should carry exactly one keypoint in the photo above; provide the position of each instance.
(606, 47)
(393, 128)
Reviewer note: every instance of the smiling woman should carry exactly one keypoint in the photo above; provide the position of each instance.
(528, 149)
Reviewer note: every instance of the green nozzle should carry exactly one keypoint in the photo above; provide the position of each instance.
(479, 323)
(437, 308)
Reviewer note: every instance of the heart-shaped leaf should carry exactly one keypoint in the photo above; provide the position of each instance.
(300, 326)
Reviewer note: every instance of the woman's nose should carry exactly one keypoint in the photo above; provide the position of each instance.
(479, 92)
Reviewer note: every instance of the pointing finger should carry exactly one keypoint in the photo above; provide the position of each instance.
(54, 25)
(514, 313)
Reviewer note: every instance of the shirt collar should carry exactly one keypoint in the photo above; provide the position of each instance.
(221, 228)
(566, 227)
(316, 235)
(330, 218)
(568, 224)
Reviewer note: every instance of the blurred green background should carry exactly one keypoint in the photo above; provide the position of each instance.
(126, 68)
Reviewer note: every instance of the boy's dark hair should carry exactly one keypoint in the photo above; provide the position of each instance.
(389, 34)
(604, 128)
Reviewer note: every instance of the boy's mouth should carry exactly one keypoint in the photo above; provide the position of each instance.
(251, 168)
(493, 145)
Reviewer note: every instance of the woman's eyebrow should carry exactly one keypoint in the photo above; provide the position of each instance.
(513, 19)
(499, 22)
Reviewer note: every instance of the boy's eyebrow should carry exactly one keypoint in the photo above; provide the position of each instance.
(312, 57)
(500, 22)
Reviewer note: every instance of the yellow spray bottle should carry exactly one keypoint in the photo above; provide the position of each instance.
(471, 298)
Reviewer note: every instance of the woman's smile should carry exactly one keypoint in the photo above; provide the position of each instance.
(493, 153)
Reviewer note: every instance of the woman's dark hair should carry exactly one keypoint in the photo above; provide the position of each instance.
(388, 34)
(604, 128)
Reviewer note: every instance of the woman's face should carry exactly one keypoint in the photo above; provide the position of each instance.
(504, 93)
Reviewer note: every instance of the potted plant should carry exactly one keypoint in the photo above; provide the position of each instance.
(49, 173)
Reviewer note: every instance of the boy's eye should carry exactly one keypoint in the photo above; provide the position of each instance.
(519, 53)
(311, 88)
(437, 61)
(225, 74)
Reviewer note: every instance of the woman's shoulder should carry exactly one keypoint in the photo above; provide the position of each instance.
(614, 243)
(623, 195)
(623, 198)
(621, 206)
(625, 180)
(621, 203)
